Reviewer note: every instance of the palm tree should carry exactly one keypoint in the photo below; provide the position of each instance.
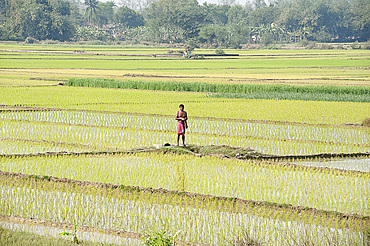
(90, 11)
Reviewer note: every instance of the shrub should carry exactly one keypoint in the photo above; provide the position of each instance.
(220, 51)
(305, 43)
(30, 40)
(158, 239)
(366, 122)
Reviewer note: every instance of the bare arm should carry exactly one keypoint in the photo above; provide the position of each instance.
(178, 117)
(186, 116)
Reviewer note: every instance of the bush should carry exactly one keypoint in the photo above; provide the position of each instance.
(219, 51)
(366, 45)
(366, 122)
(50, 41)
(31, 40)
(326, 47)
(305, 43)
(158, 239)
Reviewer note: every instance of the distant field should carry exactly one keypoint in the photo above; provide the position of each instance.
(335, 67)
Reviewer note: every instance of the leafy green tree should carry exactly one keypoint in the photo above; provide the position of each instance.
(215, 14)
(128, 18)
(361, 19)
(213, 34)
(40, 19)
(174, 20)
(264, 16)
(105, 13)
(238, 25)
(3, 8)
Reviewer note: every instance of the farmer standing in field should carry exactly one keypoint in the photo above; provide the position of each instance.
(181, 117)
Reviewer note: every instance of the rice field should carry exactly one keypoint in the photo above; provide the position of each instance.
(248, 180)
(317, 67)
(277, 171)
(208, 221)
(197, 104)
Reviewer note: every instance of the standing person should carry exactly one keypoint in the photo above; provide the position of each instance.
(181, 117)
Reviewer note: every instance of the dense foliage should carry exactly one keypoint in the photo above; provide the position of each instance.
(183, 21)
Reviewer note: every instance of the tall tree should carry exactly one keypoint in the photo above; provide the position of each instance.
(361, 19)
(3, 9)
(128, 18)
(40, 19)
(105, 13)
(238, 25)
(174, 20)
(215, 14)
(90, 10)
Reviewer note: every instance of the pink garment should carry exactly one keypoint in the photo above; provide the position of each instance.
(180, 127)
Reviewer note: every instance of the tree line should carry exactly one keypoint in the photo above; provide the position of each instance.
(186, 21)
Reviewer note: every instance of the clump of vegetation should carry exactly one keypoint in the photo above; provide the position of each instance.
(31, 40)
(245, 240)
(159, 238)
(366, 122)
(247, 91)
(73, 234)
(219, 51)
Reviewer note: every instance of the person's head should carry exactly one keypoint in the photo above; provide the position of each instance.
(181, 107)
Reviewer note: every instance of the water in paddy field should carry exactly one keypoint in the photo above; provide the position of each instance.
(247, 180)
(354, 164)
(75, 130)
(202, 225)
(50, 231)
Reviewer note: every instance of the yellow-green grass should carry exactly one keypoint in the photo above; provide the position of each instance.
(26, 82)
(250, 76)
(214, 127)
(197, 104)
(198, 219)
(294, 67)
(182, 64)
(138, 48)
(324, 189)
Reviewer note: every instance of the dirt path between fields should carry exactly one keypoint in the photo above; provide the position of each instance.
(222, 152)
